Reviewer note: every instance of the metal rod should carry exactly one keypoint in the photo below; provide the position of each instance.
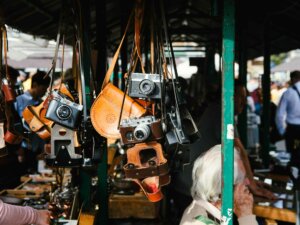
(227, 109)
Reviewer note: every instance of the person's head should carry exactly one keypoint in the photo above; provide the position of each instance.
(39, 84)
(240, 97)
(295, 77)
(207, 174)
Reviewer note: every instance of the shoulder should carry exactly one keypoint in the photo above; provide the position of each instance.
(288, 93)
(194, 215)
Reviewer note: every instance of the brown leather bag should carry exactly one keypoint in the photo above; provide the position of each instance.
(8, 92)
(35, 115)
(107, 107)
(31, 116)
(149, 175)
(12, 138)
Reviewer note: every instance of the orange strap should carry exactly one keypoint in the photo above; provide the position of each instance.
(115, 58)
(5, 48)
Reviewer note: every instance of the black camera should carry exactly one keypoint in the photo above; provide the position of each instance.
(145, 86)
(63, 111)
(138, 130)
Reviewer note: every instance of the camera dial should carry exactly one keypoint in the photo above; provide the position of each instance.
(147, 87)
(141, 132)
(64, 112)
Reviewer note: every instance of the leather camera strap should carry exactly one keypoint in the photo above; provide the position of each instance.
(116, 55)
(62, 75)
(138, 20)
(5, 48)
(150, 171)
(173, 65)
(152, 43)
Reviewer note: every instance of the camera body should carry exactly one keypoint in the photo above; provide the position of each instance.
(63, 111)
(137, 130)
(145, 86)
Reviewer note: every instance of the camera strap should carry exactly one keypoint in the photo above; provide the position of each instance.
(177, 116)
(115, 57)
(138, 21)
(5, 48)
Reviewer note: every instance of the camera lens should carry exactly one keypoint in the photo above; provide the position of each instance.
(64, 112)
(147, 87)
(141, 132)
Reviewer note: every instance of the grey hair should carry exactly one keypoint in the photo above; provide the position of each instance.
(207, 174)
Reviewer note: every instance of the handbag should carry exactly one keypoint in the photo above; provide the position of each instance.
(106, 109)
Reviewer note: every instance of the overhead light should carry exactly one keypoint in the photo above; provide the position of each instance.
(185, 22)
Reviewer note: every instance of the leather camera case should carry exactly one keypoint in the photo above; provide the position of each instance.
(12, 138)
(8, 91)
(106, 110)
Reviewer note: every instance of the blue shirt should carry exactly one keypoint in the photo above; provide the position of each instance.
(288, 110)
(20, 104)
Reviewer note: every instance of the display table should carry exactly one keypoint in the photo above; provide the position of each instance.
(132, 206)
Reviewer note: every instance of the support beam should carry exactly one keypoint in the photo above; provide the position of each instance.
(266, 97)
(102, 190)
(228, 109)
(85, 63)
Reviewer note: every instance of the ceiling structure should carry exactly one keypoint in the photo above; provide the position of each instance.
(189, 22)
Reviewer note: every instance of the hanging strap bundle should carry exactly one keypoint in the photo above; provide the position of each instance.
(35, 115)
(106, 109)
(7, 89)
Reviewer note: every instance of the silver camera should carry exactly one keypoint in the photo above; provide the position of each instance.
(136, 130)
(63, 111)
(145, 86)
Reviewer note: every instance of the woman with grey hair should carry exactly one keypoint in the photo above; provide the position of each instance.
(207, 189)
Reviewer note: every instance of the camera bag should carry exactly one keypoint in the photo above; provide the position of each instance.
(31, 116)
(150, 175)
(106, 109)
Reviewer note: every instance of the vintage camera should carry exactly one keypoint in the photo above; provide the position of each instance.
(138, 130)
(145, 86)
(63, 111)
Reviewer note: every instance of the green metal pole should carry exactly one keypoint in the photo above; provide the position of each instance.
(266, 98)
(228, 109)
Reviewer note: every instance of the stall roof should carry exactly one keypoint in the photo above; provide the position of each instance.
(293, 64)
(189, 21)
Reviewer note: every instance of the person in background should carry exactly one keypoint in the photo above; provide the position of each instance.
(207, 189)
(210, 126)
(253, 121)
(30, 149)
(288, 119)
(20, 215)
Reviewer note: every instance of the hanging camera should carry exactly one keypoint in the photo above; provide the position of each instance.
(177, 143)
(138, 130)
(145, 86)
(63, 111)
